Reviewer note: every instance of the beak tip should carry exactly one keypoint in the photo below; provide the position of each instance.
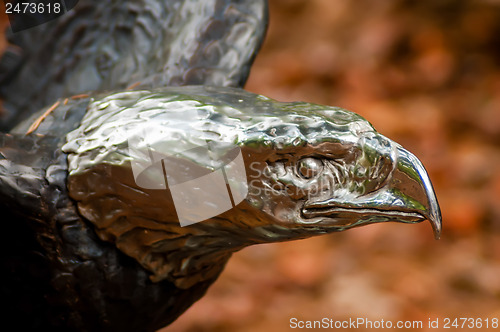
(436, 227)
(435, 217)
(435, 220)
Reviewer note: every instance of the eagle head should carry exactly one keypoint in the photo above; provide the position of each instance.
(179, 178)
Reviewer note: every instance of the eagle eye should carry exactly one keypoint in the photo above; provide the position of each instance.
(309, 167)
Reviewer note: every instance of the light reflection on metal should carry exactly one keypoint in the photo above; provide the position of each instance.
(357, 176)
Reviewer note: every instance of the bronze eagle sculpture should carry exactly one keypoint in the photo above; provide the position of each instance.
(135, 164)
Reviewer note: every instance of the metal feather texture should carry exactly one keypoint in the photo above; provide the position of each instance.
(58, 274)
(360, 177)
(109, 45)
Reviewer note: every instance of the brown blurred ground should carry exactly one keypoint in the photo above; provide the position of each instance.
(426, 74)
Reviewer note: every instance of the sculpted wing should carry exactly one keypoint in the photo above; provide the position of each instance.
(110, 45)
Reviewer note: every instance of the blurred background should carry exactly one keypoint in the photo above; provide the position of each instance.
(427, 75)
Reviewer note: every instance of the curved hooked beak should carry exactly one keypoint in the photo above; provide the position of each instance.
(412, 181)
(407, 196)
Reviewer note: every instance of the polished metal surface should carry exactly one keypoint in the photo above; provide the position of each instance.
(310, 169)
